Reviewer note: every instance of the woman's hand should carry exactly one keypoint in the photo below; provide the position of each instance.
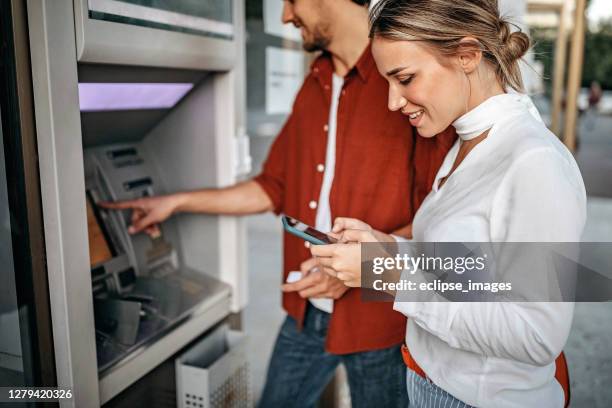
(342, 224)
(343, 260)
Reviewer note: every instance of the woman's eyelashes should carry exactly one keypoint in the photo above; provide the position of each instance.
(406, 80)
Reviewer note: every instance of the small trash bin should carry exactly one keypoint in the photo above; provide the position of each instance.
(214, 373)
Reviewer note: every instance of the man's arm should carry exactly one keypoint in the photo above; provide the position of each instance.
(264, 193)
(243, 198)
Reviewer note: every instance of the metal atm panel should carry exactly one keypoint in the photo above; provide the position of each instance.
(109, 31)
(141, 287)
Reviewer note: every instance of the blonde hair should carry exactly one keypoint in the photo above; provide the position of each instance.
(442, 24)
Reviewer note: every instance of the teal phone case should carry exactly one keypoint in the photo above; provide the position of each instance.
(300, 234)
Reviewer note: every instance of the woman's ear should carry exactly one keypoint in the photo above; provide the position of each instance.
(469, 54)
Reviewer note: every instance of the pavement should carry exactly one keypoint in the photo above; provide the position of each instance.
(589, 349)
(594, 154)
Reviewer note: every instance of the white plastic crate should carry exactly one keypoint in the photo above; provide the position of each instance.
(214, 373)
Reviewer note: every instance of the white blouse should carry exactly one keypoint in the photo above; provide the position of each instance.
(520, 184)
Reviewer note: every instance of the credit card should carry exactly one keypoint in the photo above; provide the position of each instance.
(294, 276)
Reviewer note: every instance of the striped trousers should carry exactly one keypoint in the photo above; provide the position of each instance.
(423, 393)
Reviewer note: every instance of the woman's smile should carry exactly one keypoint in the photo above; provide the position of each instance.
(415, 116)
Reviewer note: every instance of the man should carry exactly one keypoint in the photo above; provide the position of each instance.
(340, 153)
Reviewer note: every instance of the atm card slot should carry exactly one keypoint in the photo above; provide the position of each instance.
(124, 157)
(119, 153)
(139, 183)
(127, 162)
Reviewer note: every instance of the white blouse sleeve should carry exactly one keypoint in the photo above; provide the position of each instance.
(541, 198)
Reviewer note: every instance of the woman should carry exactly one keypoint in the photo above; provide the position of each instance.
(507, 179)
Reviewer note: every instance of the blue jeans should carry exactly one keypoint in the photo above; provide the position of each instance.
(300, 368)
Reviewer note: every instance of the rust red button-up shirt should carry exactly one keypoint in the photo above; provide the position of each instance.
(376, 154)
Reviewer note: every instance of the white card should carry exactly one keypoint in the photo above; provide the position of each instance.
(294, 276)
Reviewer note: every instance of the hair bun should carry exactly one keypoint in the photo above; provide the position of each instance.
(514, 44)
(517, 45)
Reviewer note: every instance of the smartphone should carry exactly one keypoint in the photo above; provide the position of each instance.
(306, 232)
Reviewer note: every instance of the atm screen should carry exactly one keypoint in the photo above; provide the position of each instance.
(99, 249)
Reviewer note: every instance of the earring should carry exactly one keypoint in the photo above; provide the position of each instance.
(469, 93)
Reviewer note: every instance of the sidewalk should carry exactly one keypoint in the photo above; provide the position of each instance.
(594, 156)
(589, 349)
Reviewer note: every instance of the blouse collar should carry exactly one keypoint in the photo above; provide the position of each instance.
(482, 118)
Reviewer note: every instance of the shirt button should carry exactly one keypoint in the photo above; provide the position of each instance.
(320, 168)
(343, 91)
(325, 128)
(312, 204)
(307, 244)
(326, 87)
(316, 69)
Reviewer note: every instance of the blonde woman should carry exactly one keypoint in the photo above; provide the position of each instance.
(507, 179)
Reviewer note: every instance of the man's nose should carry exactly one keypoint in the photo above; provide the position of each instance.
(288, 15)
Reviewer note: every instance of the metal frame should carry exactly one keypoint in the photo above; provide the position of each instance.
(60, 150)
(55, 47)
(24, 202)
(112, 43)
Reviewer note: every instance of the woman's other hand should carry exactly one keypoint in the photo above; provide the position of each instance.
(343, 260)
(342, 224)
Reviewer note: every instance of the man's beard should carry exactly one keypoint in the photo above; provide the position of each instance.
(320, 41)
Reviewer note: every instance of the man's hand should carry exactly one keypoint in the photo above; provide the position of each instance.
(316, 284)
(147, 212)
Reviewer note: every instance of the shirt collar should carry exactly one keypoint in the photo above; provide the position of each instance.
(323, 66)
(365, 64)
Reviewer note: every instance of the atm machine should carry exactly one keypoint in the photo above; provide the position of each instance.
(135, 98)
